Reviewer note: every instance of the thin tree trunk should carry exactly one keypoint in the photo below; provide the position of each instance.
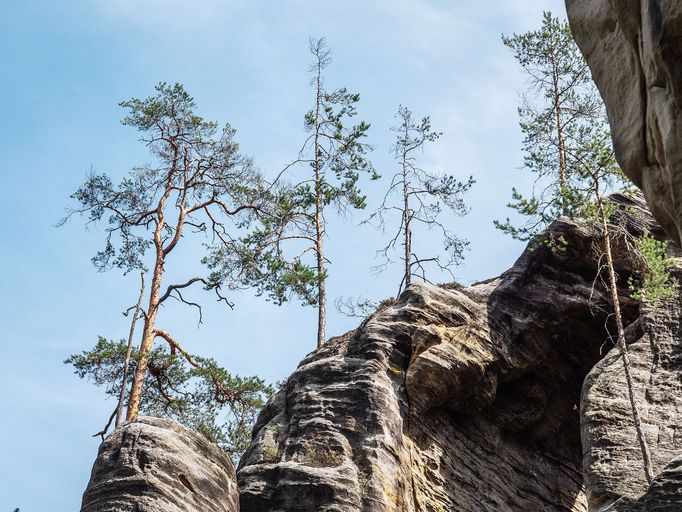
(406, 221)
(148, 334)
(124, 384)
(563, 182)
(322, 299)
(319, 228)
(621, 340)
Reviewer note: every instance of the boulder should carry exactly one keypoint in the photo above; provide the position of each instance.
(156, 465)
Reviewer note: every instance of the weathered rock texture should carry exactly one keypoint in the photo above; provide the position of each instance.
(469, 399)
(634, 49)
(612, 462)
(665, 492)
(156, 465)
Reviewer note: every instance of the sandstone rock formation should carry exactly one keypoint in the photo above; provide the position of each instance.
(612, 458)
(468, 399)
(156, 465)
(665, 492)
(506, 395)
(634, 48)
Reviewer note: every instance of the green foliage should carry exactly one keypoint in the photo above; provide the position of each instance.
(197, 182)
(556, 244)
(259, 259)
(567, 146)
(653, 284)
(590, 211)
(197, 168)
(342, 156)
(566, 139)
(336, 148)
(278, 257)
(202, 396)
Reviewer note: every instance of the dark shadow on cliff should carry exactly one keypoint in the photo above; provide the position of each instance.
(549, 319)
(507, 394)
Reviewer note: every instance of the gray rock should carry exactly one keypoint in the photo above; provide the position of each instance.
(465, 399)
(665, 493)
(612, 457)
(634, 49)
(155, 465)
(450, 399)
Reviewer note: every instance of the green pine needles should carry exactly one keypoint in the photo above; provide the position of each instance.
(565, 132)
(652, 284)
(285, 256)
(568, 148)
(415, 200)
(195, 391)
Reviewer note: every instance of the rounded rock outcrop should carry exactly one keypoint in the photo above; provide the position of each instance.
(157, 465)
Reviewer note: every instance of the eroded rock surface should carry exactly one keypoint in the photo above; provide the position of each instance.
(451, 399)
(468, 399)
(612, 457)
(634, 49)
(156, 465)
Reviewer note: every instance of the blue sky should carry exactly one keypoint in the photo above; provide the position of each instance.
(67, 64)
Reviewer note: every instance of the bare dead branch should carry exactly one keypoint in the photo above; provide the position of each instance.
(126, 363)
(103, 432)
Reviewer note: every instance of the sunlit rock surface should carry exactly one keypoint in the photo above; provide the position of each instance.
(613, 460)
(634, 49)
(451, 399)
(156, 465)
(469, 399)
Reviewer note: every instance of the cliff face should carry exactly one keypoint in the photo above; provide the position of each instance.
(633, 48)
(612, 458)
(470, 399)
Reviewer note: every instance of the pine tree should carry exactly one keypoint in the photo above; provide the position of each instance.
(199, 184)
(559, 112)
(286, 256)
(192, 390)
(419, 197)
(568, 146)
